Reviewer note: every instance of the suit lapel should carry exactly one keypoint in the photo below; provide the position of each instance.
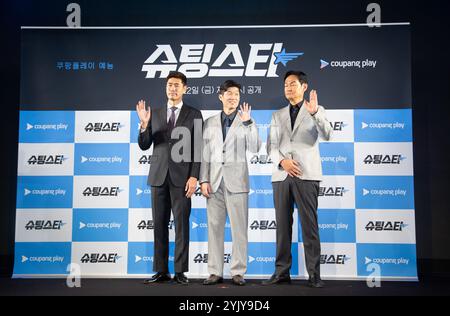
(182, 116)
(217, 126)
(300, 117)
(286, 119)
(232, 129)
(161, 115)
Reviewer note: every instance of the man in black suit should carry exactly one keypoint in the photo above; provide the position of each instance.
(174, 170)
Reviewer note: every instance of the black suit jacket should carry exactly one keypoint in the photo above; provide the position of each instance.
(158, 135)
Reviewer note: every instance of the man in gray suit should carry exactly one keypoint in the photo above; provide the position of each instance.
(293, 146)
(224, 181)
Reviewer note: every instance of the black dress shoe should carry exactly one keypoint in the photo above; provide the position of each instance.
(213, 279)
(315, 282)
(238, 280)
(158, 277)
(180, 278)
(277, 279)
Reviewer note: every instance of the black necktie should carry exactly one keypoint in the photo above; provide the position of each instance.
(171, 123)
(294, 113)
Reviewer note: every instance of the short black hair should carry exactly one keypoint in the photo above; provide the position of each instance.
(178, 75)
(299, 74)
(227, 85)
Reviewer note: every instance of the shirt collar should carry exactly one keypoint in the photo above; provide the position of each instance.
(298, 105)
(178, 106)
(231, 116)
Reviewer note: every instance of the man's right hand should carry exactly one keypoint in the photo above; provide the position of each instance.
(143, 113)
(206, 189)
(291, 167)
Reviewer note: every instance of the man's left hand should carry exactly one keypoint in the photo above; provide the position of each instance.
(244, 113)
(191, 185)
(313, 105)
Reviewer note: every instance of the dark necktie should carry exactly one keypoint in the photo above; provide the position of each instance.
(171, 123)
(226, 127)
(294, 114)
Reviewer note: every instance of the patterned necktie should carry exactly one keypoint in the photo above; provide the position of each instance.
(171, 123)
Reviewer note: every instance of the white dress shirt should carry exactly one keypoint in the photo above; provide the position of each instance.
(169, 112)
(177, 111)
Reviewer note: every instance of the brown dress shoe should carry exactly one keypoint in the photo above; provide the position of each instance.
(238, 280)
(213, 279)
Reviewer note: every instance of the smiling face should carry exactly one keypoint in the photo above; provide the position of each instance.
(230, 99)
(175, 90)
(294, 90)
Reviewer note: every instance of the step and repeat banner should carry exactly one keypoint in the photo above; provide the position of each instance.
(82, 193)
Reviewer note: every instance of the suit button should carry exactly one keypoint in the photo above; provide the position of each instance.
(223, 163)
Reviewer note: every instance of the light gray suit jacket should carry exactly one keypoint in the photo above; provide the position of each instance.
(228, 158)
(300, 144)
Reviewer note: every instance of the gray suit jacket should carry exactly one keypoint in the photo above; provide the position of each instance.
(228, 158)
(300, 144)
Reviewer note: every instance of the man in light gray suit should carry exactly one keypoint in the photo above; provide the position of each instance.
(225, 183)
(293, 146)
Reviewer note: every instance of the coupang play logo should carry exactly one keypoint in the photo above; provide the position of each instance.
(201, 60)
(349, 64)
